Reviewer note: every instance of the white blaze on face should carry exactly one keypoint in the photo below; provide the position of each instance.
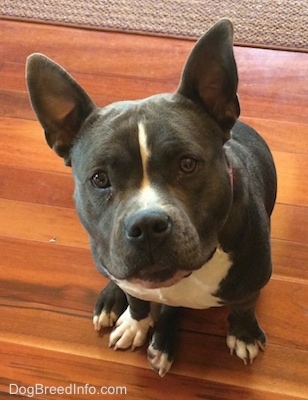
(144, 152)
(148, 196)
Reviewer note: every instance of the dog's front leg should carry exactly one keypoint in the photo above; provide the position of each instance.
(246, 338)
(164, 341)
(132, 326)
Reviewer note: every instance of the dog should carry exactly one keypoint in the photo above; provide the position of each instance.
(175, 193)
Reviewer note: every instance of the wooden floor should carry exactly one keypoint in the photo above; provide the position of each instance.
(48, 281)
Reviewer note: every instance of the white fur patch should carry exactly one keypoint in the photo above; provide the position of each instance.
(243, 350)
(147, 196)
(129, 332)
(195, 291)
(159, 361)
(144, 153)
(104, 320)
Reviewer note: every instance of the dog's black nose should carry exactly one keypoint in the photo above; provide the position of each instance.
(148, 228)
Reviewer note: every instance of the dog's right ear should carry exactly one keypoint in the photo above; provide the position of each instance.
(60, 104)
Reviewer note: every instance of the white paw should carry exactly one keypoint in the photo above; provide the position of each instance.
(130, 332)
(159, 361)
(243, 350)
(104, 320)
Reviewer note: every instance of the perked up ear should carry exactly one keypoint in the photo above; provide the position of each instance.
(60, 104)
(210, 76)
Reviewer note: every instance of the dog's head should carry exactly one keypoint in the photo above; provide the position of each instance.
(152, 183)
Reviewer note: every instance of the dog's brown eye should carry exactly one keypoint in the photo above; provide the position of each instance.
(100, 180)
(188, 165)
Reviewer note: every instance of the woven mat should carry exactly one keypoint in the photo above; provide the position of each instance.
(261, 23)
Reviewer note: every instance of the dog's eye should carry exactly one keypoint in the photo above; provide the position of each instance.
(188, 165)
(100, 180)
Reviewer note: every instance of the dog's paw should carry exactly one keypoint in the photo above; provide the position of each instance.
(246, 351)
(110, 304)
(129, 332)
(159, 360)
(104, 320)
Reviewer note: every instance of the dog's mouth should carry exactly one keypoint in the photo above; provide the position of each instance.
(155, 282)
(160, 276)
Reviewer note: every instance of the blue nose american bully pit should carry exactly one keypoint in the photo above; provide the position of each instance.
(176, 196)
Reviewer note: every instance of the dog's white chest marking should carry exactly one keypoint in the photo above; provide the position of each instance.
(196, 291)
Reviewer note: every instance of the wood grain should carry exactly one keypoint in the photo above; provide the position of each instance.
(48, 279)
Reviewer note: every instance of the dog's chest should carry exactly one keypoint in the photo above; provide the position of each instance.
(197, 291)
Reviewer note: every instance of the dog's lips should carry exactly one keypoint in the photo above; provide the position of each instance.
(154, 284)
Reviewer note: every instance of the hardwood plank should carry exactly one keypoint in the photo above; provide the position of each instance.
(71, 280)
(280, 305)
(36, 186)
(260, 83)
(292, 170)
(15, 104)
(290, 260)
(270, 85)
(78, 48)
(23, 145)
(285, 137)
(139, 382)
(41, 223)
(288, 223)
(199, 355)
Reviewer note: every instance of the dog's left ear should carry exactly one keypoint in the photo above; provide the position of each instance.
(210, 76)
(61, 105)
